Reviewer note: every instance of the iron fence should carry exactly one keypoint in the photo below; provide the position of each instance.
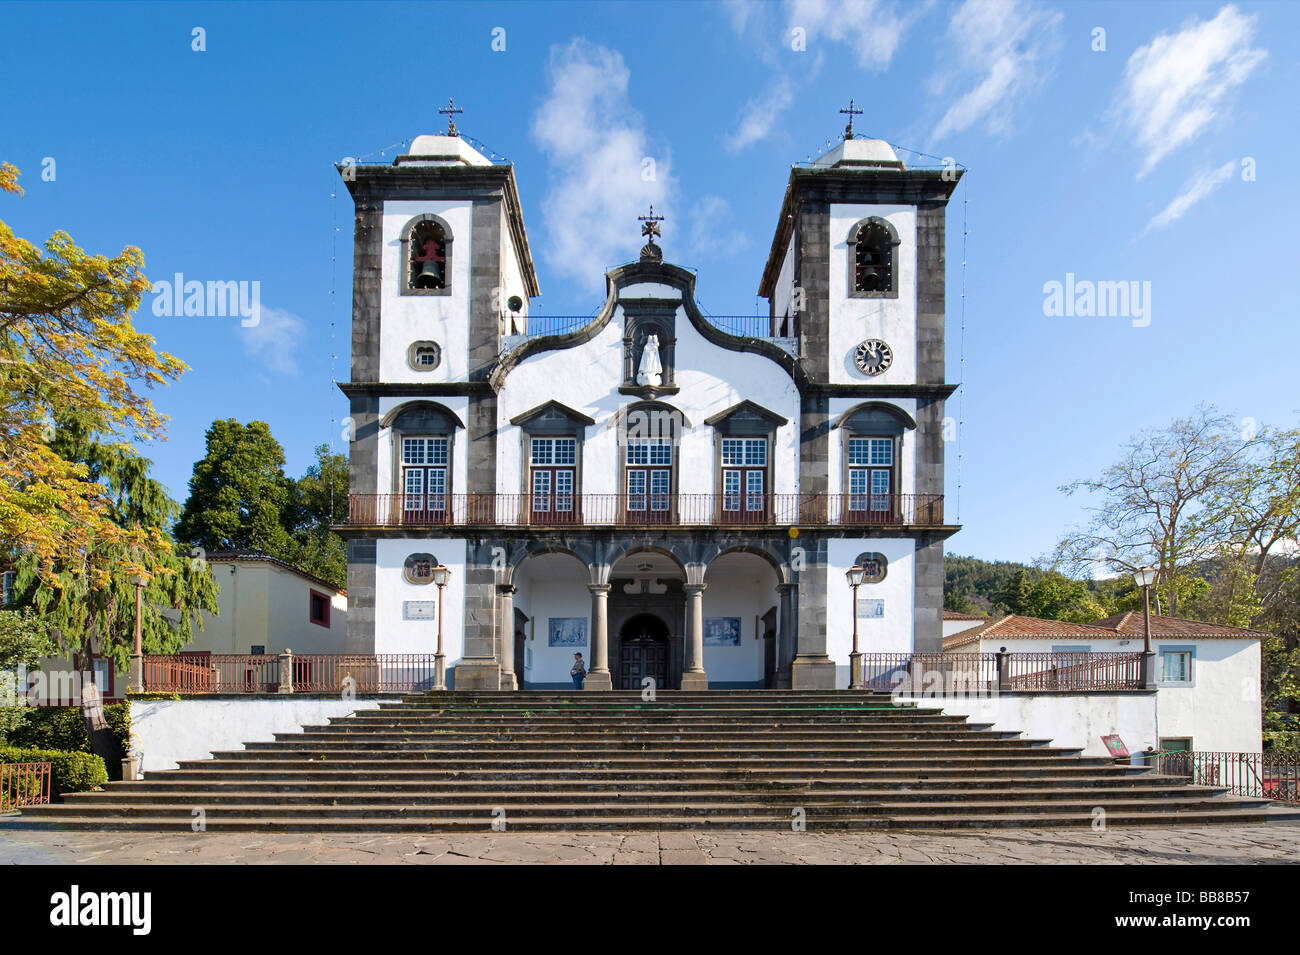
(644, 510)
(311, 673)
(24, 784)
(958, 674)
(1259, 775)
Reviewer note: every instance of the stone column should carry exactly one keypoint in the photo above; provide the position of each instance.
(812, 669)
(598, 676)
(784, 635)
(506, 634)
(693, 675)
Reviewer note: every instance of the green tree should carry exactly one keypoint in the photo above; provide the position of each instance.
(86, 599)
(318, 501)
(239, 494)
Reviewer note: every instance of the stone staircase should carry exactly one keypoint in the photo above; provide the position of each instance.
(740, 759)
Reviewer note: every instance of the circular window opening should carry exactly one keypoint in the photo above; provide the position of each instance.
(424, 356)
(418, 568)
(874, 567)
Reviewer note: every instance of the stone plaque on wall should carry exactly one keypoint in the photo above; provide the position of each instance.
(419, 609)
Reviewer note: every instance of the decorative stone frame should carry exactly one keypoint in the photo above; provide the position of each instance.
(404, 261)
(641, 319)
(413, 350)
(408, 568)
(551, 420)
(678, 423)
(745, 420)
(421, 419)
(858, 227)
(868, 556)
(874, 419)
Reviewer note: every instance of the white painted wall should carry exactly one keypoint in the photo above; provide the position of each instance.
(744, 586)
(168, 731)
(440, 318)
(784, 291)
(262, 604)
(957, 626)
(396, 635)
(552, 585)
(1067, 719)
(586, 378)
(1220, 711)
(892, 634)
(854, 319)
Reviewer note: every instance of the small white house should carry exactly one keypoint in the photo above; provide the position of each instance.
(1207, 675)
(267, 606)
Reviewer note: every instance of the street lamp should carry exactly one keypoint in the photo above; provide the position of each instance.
(135, 679)
(854, 575)
(440, 576)
(1144, 578)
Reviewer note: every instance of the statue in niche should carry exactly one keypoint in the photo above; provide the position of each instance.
(651, 370)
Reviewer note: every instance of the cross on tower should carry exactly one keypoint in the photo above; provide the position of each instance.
(851, 112)
(450, 110)
(651, 225)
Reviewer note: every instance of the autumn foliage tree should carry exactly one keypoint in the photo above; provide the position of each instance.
(78, 514)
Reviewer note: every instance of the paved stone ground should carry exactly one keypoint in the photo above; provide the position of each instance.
(1135, 846)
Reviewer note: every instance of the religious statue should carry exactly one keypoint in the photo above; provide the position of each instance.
(651, 370)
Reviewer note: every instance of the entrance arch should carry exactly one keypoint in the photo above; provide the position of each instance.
(643, 651)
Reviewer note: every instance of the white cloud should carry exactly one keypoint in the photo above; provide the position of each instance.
(1001, 51)
(760, 115)
(1178, 83)
(599, 179)
(275, 342)
(1200, 186)
(872, 29)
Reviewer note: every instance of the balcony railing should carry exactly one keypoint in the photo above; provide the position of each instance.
(986, 673)
(642, 510)
(1260, 775)
(312, 673)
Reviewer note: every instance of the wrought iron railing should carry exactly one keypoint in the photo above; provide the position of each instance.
(312, 673)
(24, 784)
(1259, 775)
(959, 674)
(742, 326)
(641, 510)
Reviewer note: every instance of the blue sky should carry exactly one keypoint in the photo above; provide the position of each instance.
(1162, 158)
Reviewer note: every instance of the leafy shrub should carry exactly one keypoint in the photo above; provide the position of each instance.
(64, 728)
(70, 772)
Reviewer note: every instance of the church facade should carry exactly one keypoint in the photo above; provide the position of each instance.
(675, 496)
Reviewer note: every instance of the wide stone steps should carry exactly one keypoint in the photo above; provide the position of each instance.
(721, 759)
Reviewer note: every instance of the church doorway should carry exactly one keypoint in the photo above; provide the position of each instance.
(643, 652)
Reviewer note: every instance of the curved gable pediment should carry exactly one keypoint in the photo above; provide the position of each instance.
(879, 417)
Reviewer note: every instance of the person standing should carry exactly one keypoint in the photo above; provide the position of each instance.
(578, 671)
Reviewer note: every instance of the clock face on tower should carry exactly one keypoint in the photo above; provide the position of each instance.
(873, 357)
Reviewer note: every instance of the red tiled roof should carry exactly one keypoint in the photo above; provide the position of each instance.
(1131, 625)
(954, 615)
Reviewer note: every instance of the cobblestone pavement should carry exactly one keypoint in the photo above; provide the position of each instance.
(1136, 846)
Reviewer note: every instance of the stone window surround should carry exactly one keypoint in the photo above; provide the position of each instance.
(863, 427)
(869, 555)
(407, 568)
(621, 443)
(404, 260)
(892, 291)
(414, 348)
(450, 425)
(745, 420)
(536, 423)
(1188, 648)
(658, 315)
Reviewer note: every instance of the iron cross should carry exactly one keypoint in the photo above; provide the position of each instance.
(651, 226)
(851, 112)
(450, 111)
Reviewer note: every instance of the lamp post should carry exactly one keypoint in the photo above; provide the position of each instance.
(440, 577)
(854, 576)
(135, 678)
(1144, 578)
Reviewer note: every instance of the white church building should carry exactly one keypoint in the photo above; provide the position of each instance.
(669, 494)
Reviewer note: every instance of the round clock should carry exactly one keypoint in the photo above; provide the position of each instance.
(873, 357)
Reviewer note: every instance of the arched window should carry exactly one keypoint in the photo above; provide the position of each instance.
(873, 258)
(426, 256)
